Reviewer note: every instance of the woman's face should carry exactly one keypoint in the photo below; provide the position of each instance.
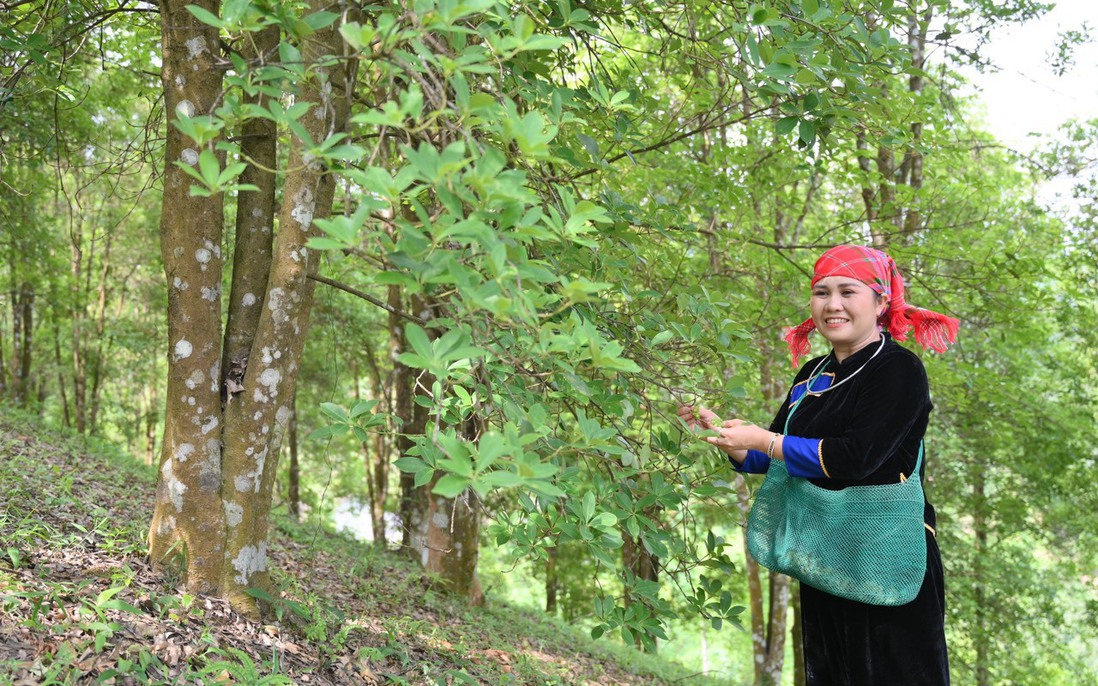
(845, 311)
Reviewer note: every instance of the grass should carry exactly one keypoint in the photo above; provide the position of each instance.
(79, 604)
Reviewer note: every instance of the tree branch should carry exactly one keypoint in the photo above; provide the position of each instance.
(365, 296)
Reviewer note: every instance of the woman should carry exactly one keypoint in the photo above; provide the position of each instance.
(860, 415)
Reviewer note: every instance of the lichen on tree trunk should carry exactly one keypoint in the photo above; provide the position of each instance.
(218, 462)
(256, 420)
(445, 535)
(188, 522)
(442, 534)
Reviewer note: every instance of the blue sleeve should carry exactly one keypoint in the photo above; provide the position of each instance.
(756, 463)
(803, 457)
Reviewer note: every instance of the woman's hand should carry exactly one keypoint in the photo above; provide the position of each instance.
(697, 417)
(737, 437)
(704, 419)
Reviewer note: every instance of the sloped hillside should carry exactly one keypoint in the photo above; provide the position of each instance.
(78, 603)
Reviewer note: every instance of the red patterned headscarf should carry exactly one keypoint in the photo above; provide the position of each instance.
(878, 271)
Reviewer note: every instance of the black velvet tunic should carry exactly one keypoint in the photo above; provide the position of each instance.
(871, 428)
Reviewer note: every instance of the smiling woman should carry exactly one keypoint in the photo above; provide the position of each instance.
(842, 508)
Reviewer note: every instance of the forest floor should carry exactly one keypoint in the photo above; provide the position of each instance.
(79, 603)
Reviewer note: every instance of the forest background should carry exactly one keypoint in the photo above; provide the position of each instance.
(459, 262)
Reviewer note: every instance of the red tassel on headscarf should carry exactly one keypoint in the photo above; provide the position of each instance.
(933, 330)
(877, 270)
(797, 338)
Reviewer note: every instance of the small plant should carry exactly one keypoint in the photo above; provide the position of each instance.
(139, 669)
(243, 669)
(284, 608)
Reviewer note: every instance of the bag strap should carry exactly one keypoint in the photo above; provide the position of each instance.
(918, 462)
(807, 390)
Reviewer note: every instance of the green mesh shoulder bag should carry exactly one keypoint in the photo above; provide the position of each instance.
(864, 543)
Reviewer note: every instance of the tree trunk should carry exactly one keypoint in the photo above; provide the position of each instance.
(188, 525)
(377, 469)
(776, 628)
(61, 383)
(101, 350)
(256, 420)
(642, 565)
(3, 366)
(151, 416)
(403, 411)
(768, 628)
(551, 581)
(705, 668)
(443, 533)
(26, 304)
(254, 231)
(979, 526)
(22, 305)
(913, 160)
(77, 316)
(218, 463)
(293, 489)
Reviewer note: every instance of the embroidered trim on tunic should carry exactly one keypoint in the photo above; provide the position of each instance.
(800, 388)
(820, 456)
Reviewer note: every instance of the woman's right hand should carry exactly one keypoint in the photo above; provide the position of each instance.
(696, 417)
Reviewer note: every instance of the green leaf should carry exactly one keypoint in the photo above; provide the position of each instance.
(109, 593)
(806, 77)
(260, 594)
(320, 20)
(590, 145)
(419, 341)
(423, 477)
(779, 70)
(413, 360)
(541, 42)
(321, 433)
(604, 520)
(325, 243)
(362, 407)
(806, 131)
(334, 412)
(785, 125)
(451, 485)
(588, 505)
(545, 488)
(205, 16)
(500, 479)
(661, 338)
(410, 464)
(121, 606)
